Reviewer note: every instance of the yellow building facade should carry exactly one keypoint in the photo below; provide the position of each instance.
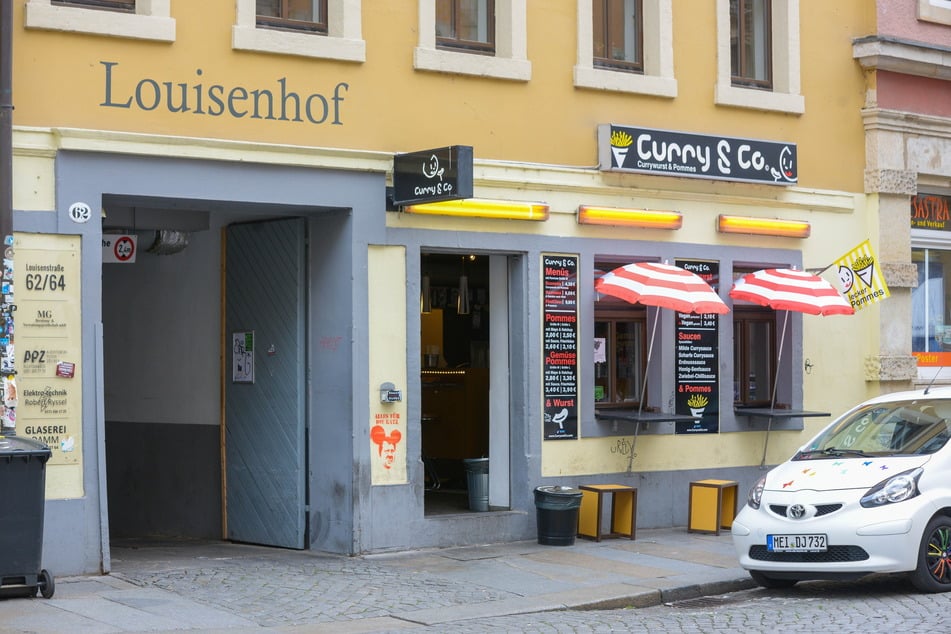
(290, 356)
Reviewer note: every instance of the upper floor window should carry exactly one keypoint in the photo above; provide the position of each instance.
(112, 5)
(137, 19)
(750, 43)
(298, 15)
(626, 46)
(325, 29)
(618, 34)
(466, 24)
(758, 59)
(484, 38)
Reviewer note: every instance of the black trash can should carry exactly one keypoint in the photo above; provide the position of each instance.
(477, 481)
(557, 511)
(23, 478)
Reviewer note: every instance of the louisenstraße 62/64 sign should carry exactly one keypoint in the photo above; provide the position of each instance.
(668, 153)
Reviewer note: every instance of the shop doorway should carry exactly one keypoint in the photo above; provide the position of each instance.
(464, 353)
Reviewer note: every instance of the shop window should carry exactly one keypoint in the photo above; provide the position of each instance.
(324, 29)
(618, 29)
(626, 46)
(296, 15)
(486, 38)
(930, 314)
(754, 355)
(758, 58)
(620, 351)
(137, 19)
(467, 25)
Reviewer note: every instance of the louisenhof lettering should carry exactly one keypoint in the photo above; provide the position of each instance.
(277, 103)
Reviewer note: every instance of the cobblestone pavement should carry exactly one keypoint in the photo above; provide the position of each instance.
(284, 591)
(665, 581)
(881, 604)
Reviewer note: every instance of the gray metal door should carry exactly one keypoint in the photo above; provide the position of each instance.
(265, 290)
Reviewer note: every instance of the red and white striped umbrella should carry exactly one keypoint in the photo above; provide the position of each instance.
(664, 285)
(789, 289)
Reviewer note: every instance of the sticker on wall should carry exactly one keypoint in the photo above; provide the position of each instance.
(242, 357)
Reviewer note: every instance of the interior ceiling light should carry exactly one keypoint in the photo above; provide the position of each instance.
(763, 226)
(483, 208)
(619, 217)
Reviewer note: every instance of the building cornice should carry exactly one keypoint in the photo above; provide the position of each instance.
(908, 57)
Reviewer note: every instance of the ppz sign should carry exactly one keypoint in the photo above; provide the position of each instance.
(666, 153)
(429, 176)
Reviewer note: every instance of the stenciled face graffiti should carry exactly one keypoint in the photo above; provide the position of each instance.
(386, 444)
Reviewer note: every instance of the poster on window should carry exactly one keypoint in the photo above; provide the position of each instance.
(697, 360)
(560, 345)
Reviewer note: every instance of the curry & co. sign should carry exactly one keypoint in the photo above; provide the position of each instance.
(667, 153)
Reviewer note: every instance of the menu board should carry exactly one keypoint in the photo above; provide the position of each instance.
(697, 360)
(560, 345)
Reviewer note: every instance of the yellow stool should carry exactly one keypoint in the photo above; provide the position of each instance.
(712, 506)
(623, 510)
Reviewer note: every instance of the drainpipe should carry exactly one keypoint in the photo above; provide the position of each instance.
(6, 118)
(8, 417)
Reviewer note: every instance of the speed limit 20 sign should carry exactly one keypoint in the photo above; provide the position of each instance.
(119, 248)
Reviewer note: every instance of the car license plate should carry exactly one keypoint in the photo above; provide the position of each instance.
(796, 543)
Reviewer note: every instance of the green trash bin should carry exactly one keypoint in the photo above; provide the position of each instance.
(23, 476)
(477, 481)
(556, 508)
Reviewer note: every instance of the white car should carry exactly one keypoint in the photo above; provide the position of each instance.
(870, 493)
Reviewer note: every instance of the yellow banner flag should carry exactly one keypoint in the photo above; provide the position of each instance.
(861, 277)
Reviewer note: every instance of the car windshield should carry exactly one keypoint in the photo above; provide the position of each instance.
(915, 427)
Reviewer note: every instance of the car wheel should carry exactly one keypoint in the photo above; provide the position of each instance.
(933, 573)
(772, 583)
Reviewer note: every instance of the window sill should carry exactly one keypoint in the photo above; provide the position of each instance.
(759, 99)
(300, 44)
(471, 64)
(109, 23)
(618, 81)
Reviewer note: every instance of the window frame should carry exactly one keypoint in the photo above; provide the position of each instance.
(612, 315)
(510, 60)
(342, 42)
(470, 46)
(741, 76)
(151, 21)
(785, 62)
(123, 6)
(290, 24)
(657, 76)
(609, 63)
(743, 317)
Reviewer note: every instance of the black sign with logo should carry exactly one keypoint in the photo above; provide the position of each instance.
(666, 153)
(560, 333)
(697, 360)
(429, 176)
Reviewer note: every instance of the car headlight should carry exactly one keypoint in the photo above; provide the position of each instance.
(755, 495)
(897, 488)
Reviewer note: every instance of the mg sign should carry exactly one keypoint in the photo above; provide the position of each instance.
(429, 176)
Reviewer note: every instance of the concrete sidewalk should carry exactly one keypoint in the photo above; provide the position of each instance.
(218, 586)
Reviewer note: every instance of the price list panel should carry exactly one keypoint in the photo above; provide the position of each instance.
(560, 345)
(697, 360)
